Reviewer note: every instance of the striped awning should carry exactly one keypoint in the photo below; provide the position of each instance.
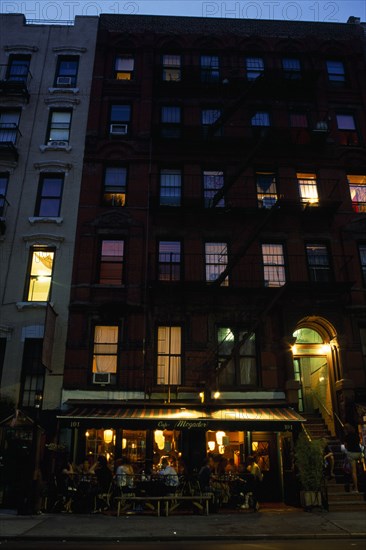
(248, 418)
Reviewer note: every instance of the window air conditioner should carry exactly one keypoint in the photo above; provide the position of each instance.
(64, 81)
(119, 129)
(101, 378)
(54, 143)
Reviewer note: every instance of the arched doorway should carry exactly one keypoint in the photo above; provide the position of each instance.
(315, 352)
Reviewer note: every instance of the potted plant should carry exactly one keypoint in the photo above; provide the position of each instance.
(310, 466)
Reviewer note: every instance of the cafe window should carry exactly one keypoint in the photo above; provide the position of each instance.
(237, 356)
(357, 188)
(111, 262)
(40, 272)
(216, 258)
(213, 182)
(170, 187)
(172, 68)
(115, 183)
(169, 355)
(308, 189)
(347, 132)
(124, 67)
(210, 68)
(318, 263)
(169, 260)
(100, 443)
(105, 349)
(274, 271)
(266, 189)
(254, 67)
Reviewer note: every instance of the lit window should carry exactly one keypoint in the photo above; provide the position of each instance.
(357, 187)
(336, 72)
(67, 71)
(4, 180)
(273, 265)
(9, 122)
(292, 68)
(213, 182)
(170, 187)
(308, 189)
(115, 181)
(169, 261)
(40, 274)
(260, 118)
(237, 357)
(254, 67)
(362, 252)
(266, 189)
(170, 121)
(318, 263)
(210, 68)
(59, 127)
(347, 132)
(171, 68)
(105, 349)
(124, 67)
(216, 261)
(169, 355)
(49, 195)
(111, 262)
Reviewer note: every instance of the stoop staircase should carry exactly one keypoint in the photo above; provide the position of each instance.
(339, 496)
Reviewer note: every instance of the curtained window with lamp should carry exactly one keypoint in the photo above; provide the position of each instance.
(40, 274)
(105, 349)
(169, 355)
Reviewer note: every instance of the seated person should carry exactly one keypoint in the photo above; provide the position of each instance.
(328, 460)
(125, 475)
(168, 474)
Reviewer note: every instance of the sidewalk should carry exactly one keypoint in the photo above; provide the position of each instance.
(279, 523)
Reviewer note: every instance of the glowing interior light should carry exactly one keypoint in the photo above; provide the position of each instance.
(108, 436)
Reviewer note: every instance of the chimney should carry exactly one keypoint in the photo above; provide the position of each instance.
(352, 20)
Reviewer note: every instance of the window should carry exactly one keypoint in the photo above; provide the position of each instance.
(266, 189)
(210, 68)
(273, 265)
(40, 274)
(119, 119)
(115, 182)
(291, 68)
(169, 355)
(59, 126)
(2, 355)
(170, 187)
(209, 117)
(4, 180)
(216, 261)
(213, 181)
(298, 120)
(347, 132)
(49, 195)
(169, 260)
(308, 189)
(336, 72)
(124, 66)
(67, 71)
(111, 262)
(105, 349)
(318, 263)
(254, 67)
(18, 68)
(171, 118)
(32, 372)
(260, 118)
(362, 252)
(9, 122)
(237, 357)
(172, 68)
(357, 187)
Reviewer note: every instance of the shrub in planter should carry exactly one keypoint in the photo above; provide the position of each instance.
(310, 465)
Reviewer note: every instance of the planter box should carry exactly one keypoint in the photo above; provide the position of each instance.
(309, 499)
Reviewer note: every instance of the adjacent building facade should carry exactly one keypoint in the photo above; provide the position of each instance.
(219, 274)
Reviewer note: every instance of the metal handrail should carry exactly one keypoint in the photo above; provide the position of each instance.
(333, 415)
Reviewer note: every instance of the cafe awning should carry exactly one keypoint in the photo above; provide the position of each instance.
(241, 418)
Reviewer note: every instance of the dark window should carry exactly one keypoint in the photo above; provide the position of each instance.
(172, 68)
(208, 118)
(18, 68)
(318, 263)
(362, 252)
(67, 71)
(216, 261)
(4, 180)
(119, 119)
(171, 118)
(347, 132)
(237, 357)
(40, 271)
(357, 188)
(169, 260)
(170, 187)
(115, 184)
(111, 262)
(298, 120)
(213, 181)
(254, 67)
(291, 68)
(260, 118)
(124, 67)
(336, 72)
(2, 355)
(49, 195)
(210, 68)
(32, 372)
(266, 189)
(59, 127)
(9, 126)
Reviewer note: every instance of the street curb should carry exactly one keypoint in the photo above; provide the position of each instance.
(292, 536)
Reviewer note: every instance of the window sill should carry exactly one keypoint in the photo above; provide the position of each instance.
(31, 305)
(63, 90)
(45, 148)
(33, 220)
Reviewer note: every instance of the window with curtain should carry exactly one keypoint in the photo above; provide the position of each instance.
(111, 262)
(254, 67)
(172, 68)
(115, 184)
(105, 349)
(213, 181)
(210, 68)
(318, 263)
(169, 260)
(170, 187)
(266, 189)
(169, 355)
(308, 189)
(357, 188)
(216, 261)
(124, 67)
(49, 195)
(40, 274)
(33, 372)
(237, 357)
(273, 265)
(59, 126)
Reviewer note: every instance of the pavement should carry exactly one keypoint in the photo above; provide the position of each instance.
(272, 523)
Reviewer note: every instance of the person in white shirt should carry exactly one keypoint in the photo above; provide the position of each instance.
(169, 473)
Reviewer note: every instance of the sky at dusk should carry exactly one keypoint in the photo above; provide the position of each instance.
(336, 11)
